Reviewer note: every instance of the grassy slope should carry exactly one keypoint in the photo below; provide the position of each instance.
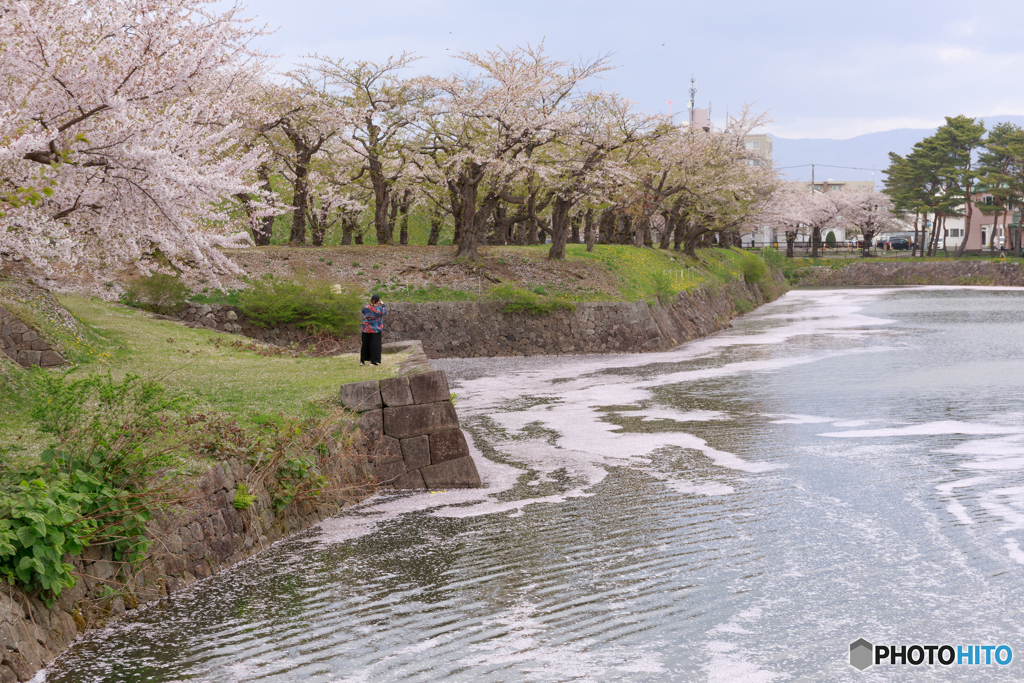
(632, 269)
(186, 361)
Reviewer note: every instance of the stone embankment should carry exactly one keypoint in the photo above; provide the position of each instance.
(411, 431)
(23, 345)
(908, 272)
(480, 329)
(230, 319)
(409, 438)
(189, 543)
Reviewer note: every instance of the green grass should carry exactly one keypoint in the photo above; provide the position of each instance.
(402, 292)
(419, 230)
(635, 268)
(640, 274)
(216, 378)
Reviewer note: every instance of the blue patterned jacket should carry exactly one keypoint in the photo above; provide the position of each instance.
(373, 317)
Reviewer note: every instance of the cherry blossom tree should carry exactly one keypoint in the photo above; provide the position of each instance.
(125, 111)
(377, 107)
(868, 212)
(487, 126)
(593, 156)
(786, 213)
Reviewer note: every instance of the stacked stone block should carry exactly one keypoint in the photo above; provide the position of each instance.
(23, 345)
(231, 320)
(412, 432)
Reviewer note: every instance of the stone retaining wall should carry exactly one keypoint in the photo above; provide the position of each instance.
(412, 432)
(23, 345)
(230, 319)
(479, 329)
(476, 329)
(189, 544)
(909, 272)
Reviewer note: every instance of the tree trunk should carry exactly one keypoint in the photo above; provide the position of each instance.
(574, 235)
(866, 249)
(348, 222)
(666, 233)
(300, 200)
(967, 224)
(692, 236)
(677, 232)
(262, 228)
(467, 250)
(914, 246)
(381, 194)
(815, 241)
(318, 227)
(436, 223)
(790, 240)
(933, 239)
(588, 225)
(559, 228)
(474, 219)
(403, 210)
(392, 217)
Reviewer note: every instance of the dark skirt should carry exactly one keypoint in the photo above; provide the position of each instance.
(371, 348)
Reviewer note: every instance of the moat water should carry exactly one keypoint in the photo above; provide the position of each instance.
(840, 464)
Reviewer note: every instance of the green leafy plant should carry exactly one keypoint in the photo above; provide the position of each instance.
(158, 293)
(243, 499)
(96, 485)
(319, 305)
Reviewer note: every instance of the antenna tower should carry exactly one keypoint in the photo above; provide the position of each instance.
(693, 95)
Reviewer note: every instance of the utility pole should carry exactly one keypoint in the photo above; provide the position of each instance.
(812, 178)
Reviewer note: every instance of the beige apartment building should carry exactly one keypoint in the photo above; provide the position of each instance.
(760, 144)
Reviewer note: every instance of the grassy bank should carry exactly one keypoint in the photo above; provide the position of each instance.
(89, 454)
(609, 273)
(214, 372)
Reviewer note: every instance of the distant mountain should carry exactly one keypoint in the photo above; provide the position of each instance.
(863, 152)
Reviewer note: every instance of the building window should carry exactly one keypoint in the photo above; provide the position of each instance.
(753, 144)
(954, 232)
(989, 200)
(754, 162)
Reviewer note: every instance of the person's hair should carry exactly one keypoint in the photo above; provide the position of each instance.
(375, 298)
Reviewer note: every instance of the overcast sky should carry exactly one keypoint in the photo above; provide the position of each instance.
(821, 69)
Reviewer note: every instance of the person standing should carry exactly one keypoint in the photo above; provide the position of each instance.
(373, 328)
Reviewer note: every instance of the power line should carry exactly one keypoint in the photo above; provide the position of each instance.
(853, 168)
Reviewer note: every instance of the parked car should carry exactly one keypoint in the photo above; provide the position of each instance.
(899, 243)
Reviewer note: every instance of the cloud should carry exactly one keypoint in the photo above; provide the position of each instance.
(820, 69)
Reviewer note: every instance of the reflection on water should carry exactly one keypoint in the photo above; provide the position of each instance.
(841, 464)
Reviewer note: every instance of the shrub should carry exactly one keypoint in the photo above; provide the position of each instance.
(753, 267)
(523, 301)
(830, 240)
(157, 293)
(317, 304)
(664, 287)
(96, 485)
